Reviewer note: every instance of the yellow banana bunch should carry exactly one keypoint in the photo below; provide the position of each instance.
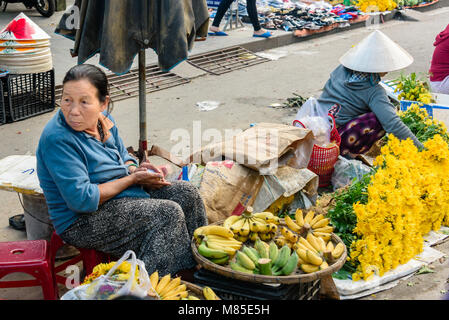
(315, 254)
(318, 224)
(167, 288)
(252, 226)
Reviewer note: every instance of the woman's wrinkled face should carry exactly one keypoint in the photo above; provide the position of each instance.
(81, 105)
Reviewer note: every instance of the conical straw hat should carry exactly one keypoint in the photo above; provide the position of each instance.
(376, 54)
(23, 28)
(36, 68)
(24, 43)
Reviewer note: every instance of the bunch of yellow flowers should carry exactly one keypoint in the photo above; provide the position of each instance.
(376, 5)
(122, 273)
(407, 197)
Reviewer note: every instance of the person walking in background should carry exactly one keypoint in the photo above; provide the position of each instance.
(252, 13)
(439, 69)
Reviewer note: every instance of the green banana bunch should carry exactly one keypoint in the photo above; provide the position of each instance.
(265, 259)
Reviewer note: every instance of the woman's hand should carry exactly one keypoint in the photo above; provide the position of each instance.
(149, 180)
(161, 169)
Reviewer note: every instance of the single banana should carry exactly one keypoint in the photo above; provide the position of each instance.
(291, 264)
(231, 242)
(321, 223)
(253, 225)
(324, 265)
(273, 251)
(178, 296)
(302, 254)
(243, 260)
(338, 251)
(236, 267)
(322, 243)
(261, 249)
(240, 238)
(257, 225)
(291, 224)
(171, 286)
(315, 219)
(190, 297)
(245, 230)
(165, 280)
(154, 279)
(299, 245)
(264, 215)
(313, 258)
(230, 221)
(313, 241)
(210, 253)
(323, 235)
(266, 236)
(221, 261)
(280, 242)
(330, 246)
(218, 230)
(327, 229)
(177, 290)
(300, 261)
(276, 220)
(299, 217)
(253, 236)
(209, 294)
(305, 243)
(309, 217)
(273, 227)
(219, 247)
(309, 268)
(236, 226)
(251, 254)
(282, 258)
(198, 231)
(289, 235)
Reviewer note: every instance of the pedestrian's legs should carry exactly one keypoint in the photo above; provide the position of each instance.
(222, 8)
(252, 13)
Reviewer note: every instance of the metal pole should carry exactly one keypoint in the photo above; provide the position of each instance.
(143, 144)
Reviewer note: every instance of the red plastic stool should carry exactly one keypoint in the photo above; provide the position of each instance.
(89, 257)
(31, 257)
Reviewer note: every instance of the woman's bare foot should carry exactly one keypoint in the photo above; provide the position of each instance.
(214, 29)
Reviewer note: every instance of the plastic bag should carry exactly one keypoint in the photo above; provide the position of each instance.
(109, 286)
(346, 170)
(316, 119)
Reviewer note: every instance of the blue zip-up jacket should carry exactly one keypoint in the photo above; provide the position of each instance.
(71, 165)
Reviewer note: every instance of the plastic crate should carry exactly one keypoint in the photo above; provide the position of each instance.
(232, 289)
(27, 95)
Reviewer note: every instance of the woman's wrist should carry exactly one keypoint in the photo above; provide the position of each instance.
(132, 167)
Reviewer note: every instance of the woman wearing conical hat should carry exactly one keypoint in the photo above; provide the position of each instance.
(361, 108)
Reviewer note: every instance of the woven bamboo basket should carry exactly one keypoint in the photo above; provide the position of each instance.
(195, 290)
(298, 276)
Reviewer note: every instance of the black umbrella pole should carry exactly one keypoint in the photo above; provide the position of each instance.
(143, 144)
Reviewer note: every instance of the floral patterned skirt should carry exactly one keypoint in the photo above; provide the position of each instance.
(359, 134)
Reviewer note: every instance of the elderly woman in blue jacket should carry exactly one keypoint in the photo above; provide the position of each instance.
(362, 110)
(98, 196)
